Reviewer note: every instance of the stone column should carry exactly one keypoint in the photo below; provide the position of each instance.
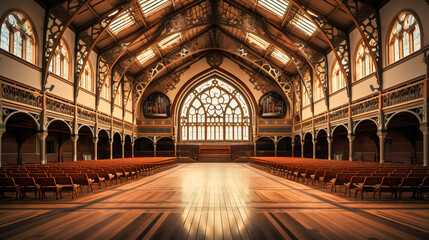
(42, 137)
(425, 131)
(2, 131)
(175, 148)
(275, 148)
(111, 148)
(381, 137)
(329, 139)
(293, 147)
(132, 148)
(154, 148)
(123, 148)
(95, 141)
(314, 148)
(74, 138)
(351, 151)
(302, 148)
(254, 149)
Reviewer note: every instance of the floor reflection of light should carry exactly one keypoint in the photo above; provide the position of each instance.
(218, 190)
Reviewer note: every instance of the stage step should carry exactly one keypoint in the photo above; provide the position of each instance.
(214, 158)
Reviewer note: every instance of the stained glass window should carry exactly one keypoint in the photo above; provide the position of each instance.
(17, 36)
(338, 82)
(405, 37)
(215, 111)
(364, 64)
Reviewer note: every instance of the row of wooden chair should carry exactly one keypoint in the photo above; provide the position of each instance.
(360, 178)
(72, 176)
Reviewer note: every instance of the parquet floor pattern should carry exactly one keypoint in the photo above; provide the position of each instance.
(213, 201)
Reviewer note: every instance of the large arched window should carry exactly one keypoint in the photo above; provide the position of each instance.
(337, 82)
(318, 90)
(215, 111)
(105, 89)
(87, 80)
(60, 62)
(405, 37)
(17, 36)
(364, 64)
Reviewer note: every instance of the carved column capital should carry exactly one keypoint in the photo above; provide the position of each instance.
(351, 137)
(95, 140)
(74, 138)
(42, 135)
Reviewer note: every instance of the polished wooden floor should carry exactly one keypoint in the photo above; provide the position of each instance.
(213, 201)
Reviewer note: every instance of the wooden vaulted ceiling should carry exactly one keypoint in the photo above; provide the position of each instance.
(212, 24)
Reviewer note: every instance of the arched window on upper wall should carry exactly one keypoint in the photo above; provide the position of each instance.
(105, 89)
(405, 36)
(337, 78)
(318, 90)
(17, 36)
(272, 105)
(60, 62)
(364, 63)
(305, 96)
(118, 96)
(87, 79)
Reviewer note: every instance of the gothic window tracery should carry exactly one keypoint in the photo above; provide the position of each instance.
(364, 63)
(405, 37)
(17, 36)
(215, 111)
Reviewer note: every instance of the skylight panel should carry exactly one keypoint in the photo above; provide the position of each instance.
(277, 7)
(146, 55)
(257, 40)
(279, 55)
(149, 6)
(123, 21)
(304, 24)
(170, 40)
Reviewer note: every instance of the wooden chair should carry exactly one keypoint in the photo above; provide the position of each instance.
(409, 184)
(106, 175)
(340, 179)
(28, 184)
(327, 177)
(7, 184)
(67, 184)
(48, 184)
(368, 185)
(315, 178)
(82, 179)
(97, 179)
(307, 175)
(423, 187)
(388, 184)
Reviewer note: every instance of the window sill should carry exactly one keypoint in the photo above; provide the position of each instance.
(87, 91)
(21, 60)
(60, 78)
(404, 59)
(337, 91)
(363, 79)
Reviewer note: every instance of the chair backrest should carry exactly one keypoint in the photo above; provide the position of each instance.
(410, 181)
(425, 181)
(398, 175)
(94, 176)
(344, 177)
(38, 175)
(7, 182)
(47, 181)
(26, 181)
(58, 175)
(18, 175)
(372, 180)
(390, 181)
(64, 180)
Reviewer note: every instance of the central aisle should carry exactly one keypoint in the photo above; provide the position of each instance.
(213, 201)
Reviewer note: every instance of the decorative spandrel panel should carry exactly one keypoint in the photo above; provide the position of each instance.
(215, 111)
(272, 105)
(157, 105)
